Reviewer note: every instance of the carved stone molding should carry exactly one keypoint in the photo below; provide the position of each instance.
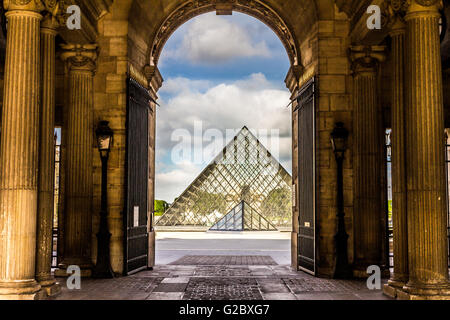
(427, 3)
(134, 73)
(421, 7)
(154, 77)
(255, 8)
(366, 58)
(55, 14)
(80, 57)
(293, 78)
(394, 11)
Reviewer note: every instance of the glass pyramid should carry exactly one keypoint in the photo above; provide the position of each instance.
(244, 171)
(243, 218)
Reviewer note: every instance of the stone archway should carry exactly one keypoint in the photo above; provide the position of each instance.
(127, 39)
(256, 9)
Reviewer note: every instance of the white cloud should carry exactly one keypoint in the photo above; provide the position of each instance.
(210, 39)
(171, 184)
(179, 85)
(254, 102)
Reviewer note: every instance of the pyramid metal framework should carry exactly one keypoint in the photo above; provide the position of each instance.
(243, 218)
(244, 171)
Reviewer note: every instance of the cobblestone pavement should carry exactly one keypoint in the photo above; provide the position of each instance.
(220, 282)
(225, 260)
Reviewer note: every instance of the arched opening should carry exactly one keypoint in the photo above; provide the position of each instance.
(160, 29)
(260, 11)
(221, 183)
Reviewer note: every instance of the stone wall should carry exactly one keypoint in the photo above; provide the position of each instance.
(334, 105)
(110, 102)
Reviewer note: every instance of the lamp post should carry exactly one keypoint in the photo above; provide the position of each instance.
(103, 268)
(339, 138)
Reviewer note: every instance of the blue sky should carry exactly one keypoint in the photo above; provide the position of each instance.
(221, 73)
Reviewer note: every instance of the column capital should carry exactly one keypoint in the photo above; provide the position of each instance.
(80, 57)
(423, 8)
(366, 58)
(54, 15)
(49, 24)
(395, 11)
(24, 5)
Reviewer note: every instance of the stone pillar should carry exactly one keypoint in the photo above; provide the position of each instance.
(368, 154)
(292, 83)
(400, 275)
(46, 173)
(425, 167)
(81, 62)
(19, 153)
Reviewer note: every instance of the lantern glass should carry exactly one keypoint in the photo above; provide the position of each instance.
(104, 138)
(104, 143)
(339, 138)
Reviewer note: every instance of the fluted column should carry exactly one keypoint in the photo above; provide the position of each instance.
(19, 152)
(46, 180)
(400, 242)
(368, 148)
(79, 184)
(426, 199)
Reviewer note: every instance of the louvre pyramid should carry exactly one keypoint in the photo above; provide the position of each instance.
(244, 171)
(243, 218)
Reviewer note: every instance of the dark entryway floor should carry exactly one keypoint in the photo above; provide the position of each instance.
(208, 279)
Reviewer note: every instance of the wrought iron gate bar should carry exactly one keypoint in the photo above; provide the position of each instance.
(137, 171)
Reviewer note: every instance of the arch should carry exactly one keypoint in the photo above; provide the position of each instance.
(254, 8)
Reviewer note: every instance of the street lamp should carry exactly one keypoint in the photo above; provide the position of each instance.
(339, 138)
(103, 268)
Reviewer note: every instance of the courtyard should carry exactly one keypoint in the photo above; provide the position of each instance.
(221, 266)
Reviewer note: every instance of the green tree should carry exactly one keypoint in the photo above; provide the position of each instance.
(277, 206)
(160, 207)
(207, 203)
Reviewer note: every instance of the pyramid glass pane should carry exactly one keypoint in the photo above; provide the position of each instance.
(243, 171)
(253, 221)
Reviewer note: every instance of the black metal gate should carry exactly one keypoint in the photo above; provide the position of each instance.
(307, 178)
(137, 155)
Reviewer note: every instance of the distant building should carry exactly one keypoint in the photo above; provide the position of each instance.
(244, 172)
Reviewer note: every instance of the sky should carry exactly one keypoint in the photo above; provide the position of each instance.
(220, 73)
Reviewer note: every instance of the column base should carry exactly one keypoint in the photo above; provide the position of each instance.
(403, 295)
(23, 290)
(413, 291)
(392, 288)
(51, 287)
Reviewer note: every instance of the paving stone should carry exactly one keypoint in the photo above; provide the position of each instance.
(344, 296)
(225, 260)
(279, 296)
(323, 285)
(171, 287)
(165, 296)
(175, 280)
(376, 295)
(312, 296)
(270, 281)
(274, 288)
(222, 271)
(222, 289)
